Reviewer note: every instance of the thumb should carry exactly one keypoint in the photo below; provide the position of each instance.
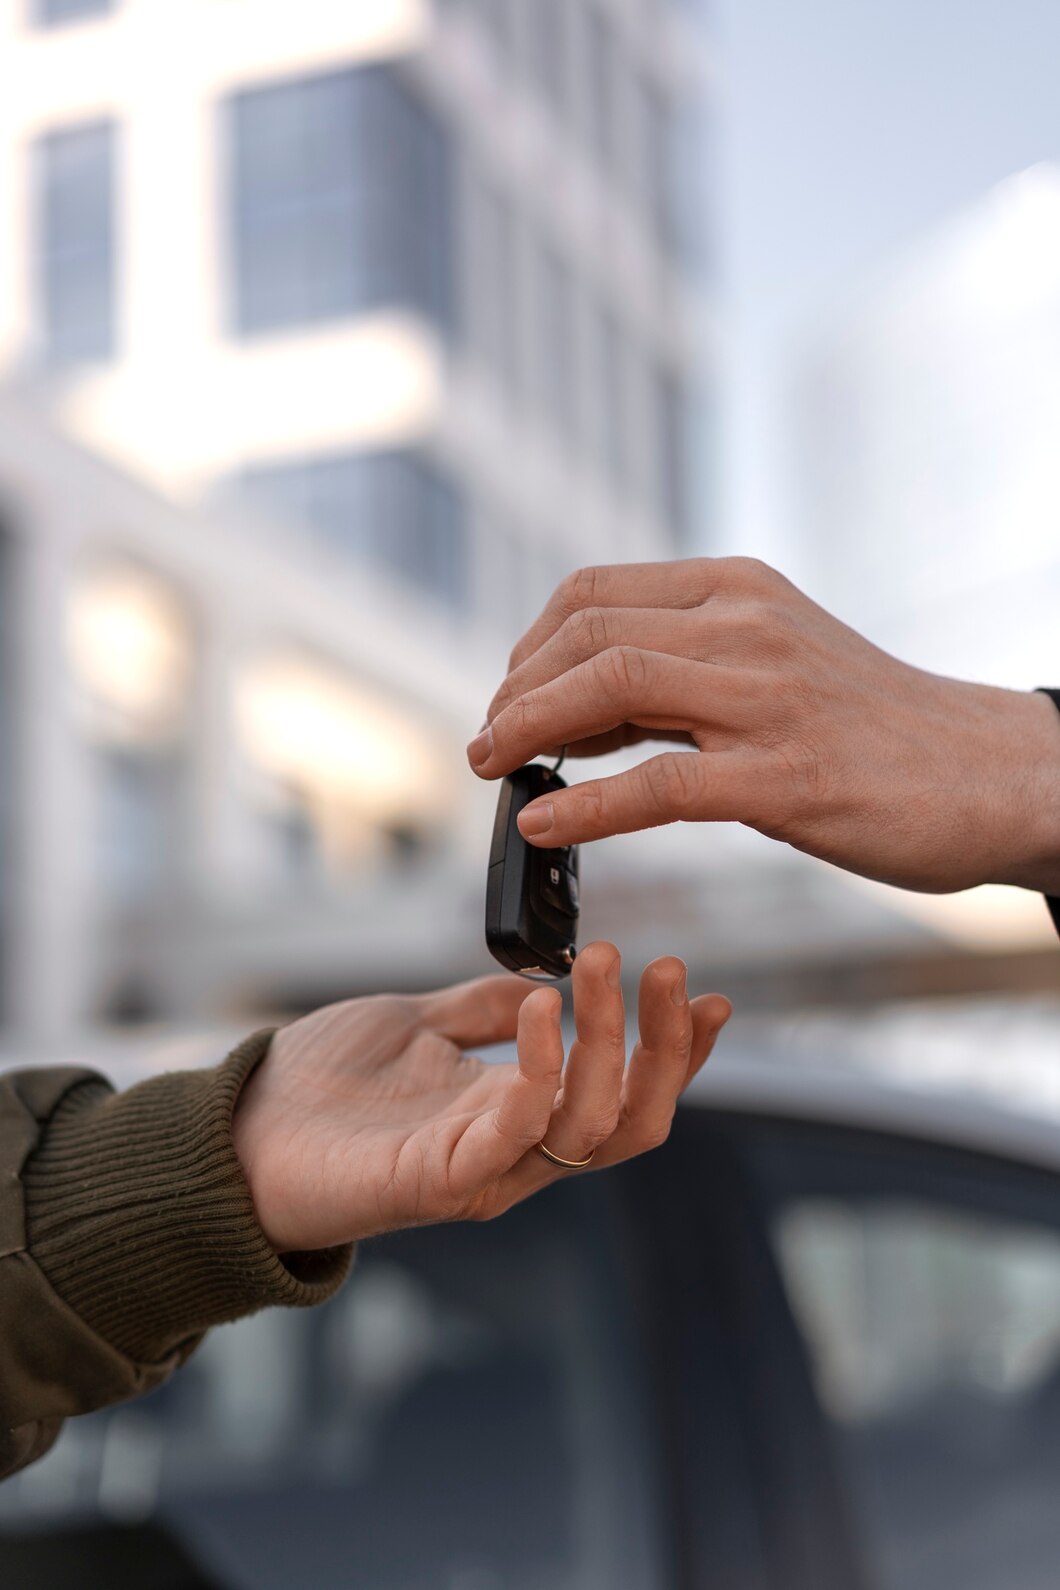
(680, 786)
(481, 1012)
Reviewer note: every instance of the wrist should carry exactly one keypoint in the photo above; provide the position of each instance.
(1030, 857)
(250, 1139)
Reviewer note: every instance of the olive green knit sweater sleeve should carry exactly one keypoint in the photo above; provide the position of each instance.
(126, 1231)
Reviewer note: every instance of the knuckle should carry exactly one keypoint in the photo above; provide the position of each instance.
(655, 789)
(623, 672)
(613, 1034)
(590, 806)
(395, 1010)
(747, 574)
(599, 1129)
(804, 782)
(520, 716)
(587, 632)
(671, 783)
(772, 625)
(579, 590)
(703, 573)
(503, 698)
(657, 1133)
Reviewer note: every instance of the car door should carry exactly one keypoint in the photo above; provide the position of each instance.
(899, 1387)
(474, 1412)
(755, 1487)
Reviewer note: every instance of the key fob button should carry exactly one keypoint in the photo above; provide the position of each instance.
(572, 893)
(559, 887)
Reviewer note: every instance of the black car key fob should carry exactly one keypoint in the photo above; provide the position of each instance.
(531, 894)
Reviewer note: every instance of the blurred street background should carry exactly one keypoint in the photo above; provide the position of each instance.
(333, 336)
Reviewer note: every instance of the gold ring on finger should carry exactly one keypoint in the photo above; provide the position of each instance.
(564, 1164)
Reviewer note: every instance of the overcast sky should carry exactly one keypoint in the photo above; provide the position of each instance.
(846, 129)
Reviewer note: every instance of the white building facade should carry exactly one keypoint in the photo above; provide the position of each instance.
(333, 335)
(925, 424)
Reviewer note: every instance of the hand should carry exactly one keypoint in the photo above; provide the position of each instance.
(800, 728)
(368, 1116)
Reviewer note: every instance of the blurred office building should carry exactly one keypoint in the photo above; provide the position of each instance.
(925, 419)
(331, 336)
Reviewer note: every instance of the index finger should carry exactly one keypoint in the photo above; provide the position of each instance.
(684, 583)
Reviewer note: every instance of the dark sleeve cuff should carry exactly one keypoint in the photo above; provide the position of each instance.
(140, 1217)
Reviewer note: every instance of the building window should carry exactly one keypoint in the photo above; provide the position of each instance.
(135, 825)
(52, 13)
(557, 352)
(501, 20)
(494, 298)
(604, 72)
(656, 161)
(549, 49)
(672, 453)
(612, 378)
(74, 194)
(341, 202)
(396, 511)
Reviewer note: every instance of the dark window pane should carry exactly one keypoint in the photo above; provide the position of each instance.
(926, 1285)
(556, 350)
(342, 201)
(660, 158)
(493, 287)
(548, 48)
(501, 19)
(396, 511)
(604, 63)
(672, 451)
(612, 378)
(74, 172)
(47, 13)
(135, 817)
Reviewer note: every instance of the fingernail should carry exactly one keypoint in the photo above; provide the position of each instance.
(481, 748)
(679, 992)
(535, 819)
(614, 973)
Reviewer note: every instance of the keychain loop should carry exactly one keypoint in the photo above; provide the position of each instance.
(562, 759)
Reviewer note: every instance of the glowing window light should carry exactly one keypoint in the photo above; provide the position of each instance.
(335, 740)
(130, 648)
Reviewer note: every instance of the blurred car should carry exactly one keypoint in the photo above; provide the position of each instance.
(813, 1344)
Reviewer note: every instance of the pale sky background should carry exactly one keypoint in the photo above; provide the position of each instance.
(845, 130)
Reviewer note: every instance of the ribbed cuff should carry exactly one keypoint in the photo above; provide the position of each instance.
(140, 1217)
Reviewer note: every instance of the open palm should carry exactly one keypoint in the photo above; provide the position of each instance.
(371, 1115)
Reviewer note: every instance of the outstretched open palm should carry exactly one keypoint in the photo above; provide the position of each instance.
(371, 1115)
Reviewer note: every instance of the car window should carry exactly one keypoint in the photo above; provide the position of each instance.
(468, 1415)
(931, 1316)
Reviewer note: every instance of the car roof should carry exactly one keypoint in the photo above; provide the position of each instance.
(981, 1075)
(830, 1096)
